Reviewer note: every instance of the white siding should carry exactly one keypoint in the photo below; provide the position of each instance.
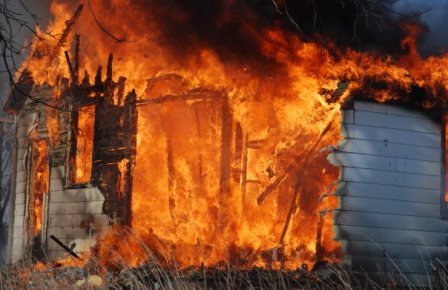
(389, 216)
(75, 216)
(24, 124)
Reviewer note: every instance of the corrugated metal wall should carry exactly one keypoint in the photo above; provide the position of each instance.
(389, 216)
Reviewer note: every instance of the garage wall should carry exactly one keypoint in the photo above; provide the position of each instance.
(390, 188)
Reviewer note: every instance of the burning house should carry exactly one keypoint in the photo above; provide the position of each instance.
(277, 155)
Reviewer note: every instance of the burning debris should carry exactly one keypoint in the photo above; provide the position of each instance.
(212, 156)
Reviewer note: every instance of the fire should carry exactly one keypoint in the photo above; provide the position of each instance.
(39, 184)
(236, 174)
(84, 144)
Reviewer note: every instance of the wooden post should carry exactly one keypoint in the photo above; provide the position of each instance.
(76, 67)
(226, 146)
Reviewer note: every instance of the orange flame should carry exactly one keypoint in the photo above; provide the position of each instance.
(281, 111)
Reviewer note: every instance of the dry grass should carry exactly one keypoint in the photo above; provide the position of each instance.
(95, 275)
(153, 276)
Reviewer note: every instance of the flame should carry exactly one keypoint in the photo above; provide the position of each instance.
(39, 183)
(279, 110)
(84, 144)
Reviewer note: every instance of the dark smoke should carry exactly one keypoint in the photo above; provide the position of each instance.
(229, 26)
(433, 13)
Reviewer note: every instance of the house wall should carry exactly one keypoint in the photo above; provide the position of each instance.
(390, 188)
(25, 122)
(74, 216)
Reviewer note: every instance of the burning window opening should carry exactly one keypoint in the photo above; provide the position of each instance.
(38, 192)
(82, 144)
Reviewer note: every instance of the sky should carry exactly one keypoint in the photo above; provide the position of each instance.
(436, 19)
(38, 7)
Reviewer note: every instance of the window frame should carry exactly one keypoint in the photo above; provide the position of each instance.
(72, 148)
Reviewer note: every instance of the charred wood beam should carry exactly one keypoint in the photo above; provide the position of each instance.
(70, 68)
(319, 248)
(76, 68)
(291, 211)
(303, 159)
(270, 188)
(199, 132)
(67, 249)
(121, 87)
(131, 118)
(226, 147)
(171, 177)
(191, 96)
(108, 83)
(238, 153)
(86, 80)
(98, 78)
(114, 142)
(244, 162)
(109, 69)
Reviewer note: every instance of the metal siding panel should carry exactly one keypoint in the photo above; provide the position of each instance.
(389, 192)
(391, 221)
(77, 220)
(20, 198)
(57, 172)
(17, 255)
(403, 236)
(76, 195)
(17, 243)
(56, 184)
(22, 131)
(18, 232)
(391, 178)
(390, 206)
(375, 249)
(396, 122)
(21, 176)
(386, 163)
(21, 155)
(388, 109)
(64, 208)
(18, 221)
(347, 116)
(391, 135)
(22, 143)
(77, 232)
(20, 187)
(19, 209)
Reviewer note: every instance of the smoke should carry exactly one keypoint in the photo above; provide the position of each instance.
(231, 26)
(364, 25)
(433, 14)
